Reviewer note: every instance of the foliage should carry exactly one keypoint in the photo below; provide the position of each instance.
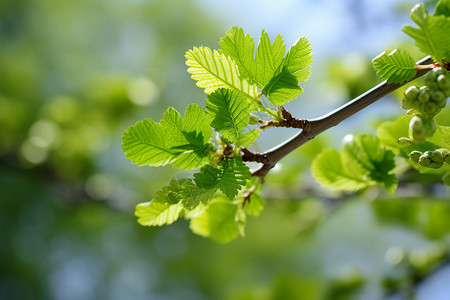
(231, 78)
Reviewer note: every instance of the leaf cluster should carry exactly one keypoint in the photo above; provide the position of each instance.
(431, 37)
(218, 196)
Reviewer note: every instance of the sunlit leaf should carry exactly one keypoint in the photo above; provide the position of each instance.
(396, 66)
(230, 114)
(183, 142)
(229, 177)
(157, 212)
(432, 37)
(213, 70)
(217, 221)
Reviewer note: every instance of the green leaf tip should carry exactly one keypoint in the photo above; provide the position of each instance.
(395, 66)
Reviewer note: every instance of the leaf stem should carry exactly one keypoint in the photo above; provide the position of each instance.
(316, 126)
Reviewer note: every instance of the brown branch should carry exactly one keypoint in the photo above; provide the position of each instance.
(316, 126)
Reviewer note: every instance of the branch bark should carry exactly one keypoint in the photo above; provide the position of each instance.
(316, 126)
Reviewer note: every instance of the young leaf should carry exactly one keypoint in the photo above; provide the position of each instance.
(361, 163)
(158, 212)
(298, 60)
(213, 70)
(241, 48)
(230, 114)
(330, 170)
(255, 206)
(368, 152)
(442, 8)
(432, 37)
(145, 143)
(281, 75)
(268, 57)
(282, 88)
(217, 221)
(230, 176)
(183, 142)
(396, 66)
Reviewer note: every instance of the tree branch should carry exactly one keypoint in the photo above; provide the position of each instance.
(316, 126)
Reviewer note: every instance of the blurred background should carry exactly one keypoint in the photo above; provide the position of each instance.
(75, 74)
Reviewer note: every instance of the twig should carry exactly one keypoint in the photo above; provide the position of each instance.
(316, 126)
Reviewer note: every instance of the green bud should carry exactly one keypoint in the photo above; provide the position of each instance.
(436, 156)
(437, 96)
(430, 77)
(412, 92)
(415, 155)
(435, 165)
(424, 95)
(445, 155)
(443, 82)
(407, 104)
(433, 86)
(431, 108)
(417, 130)
(446, 179)
(404, 142)
(424, 160)
(253, 119)
(442, 104)
(439, 71)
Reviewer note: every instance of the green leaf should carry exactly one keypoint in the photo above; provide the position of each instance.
(277, 76)
(281, 75)
(396, 66)
(229, 177)
(255, 206)
(369, 153)
(217, 221)
(241, 48)
(329, 169)
(432, 37)
(282, 88)
(230, 114)
(390, 131)
(442, 8)
(247, 139)
(145, 143)
(298, 60)
(183, 142)
(268, 58)
(362, 162)
(213, 70)
(158, 212)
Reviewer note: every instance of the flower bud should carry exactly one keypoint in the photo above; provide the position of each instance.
(437, 156)
(425, 160)
(424, 95)
(414, 156)
(412, 92)
(437, 96)
(404, 142)
(253, 119)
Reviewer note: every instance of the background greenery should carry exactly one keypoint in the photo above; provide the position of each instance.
(75, 74)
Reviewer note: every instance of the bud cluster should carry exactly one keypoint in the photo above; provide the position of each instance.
(428, 100)
(431, 159)
(425, 103)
